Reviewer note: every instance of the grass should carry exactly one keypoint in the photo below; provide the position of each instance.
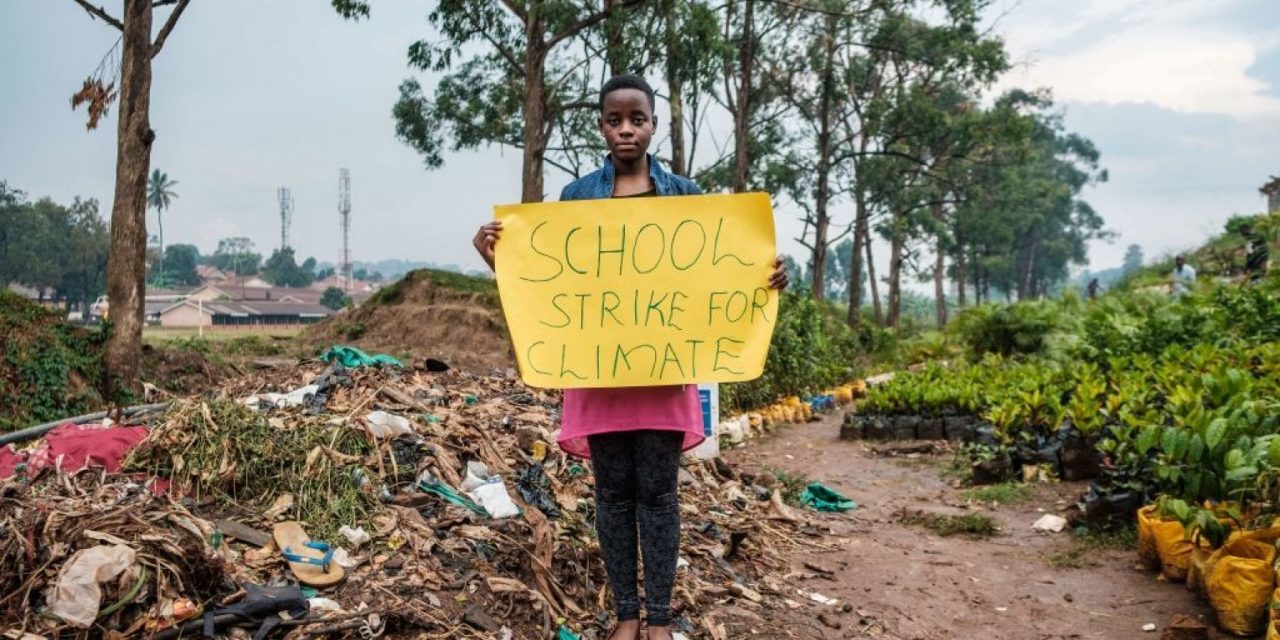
(231, 454)
(1084, 550)
(392, 293)
(974, 525)
(1006, 493)
(792, 485)
(267, 341)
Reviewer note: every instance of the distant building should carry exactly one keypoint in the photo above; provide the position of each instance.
(232, 314)
(1272, 191)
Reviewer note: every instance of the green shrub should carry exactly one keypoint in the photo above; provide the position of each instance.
(812, 349)
(1011, 329)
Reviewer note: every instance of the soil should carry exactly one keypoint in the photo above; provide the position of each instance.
(426, 315)
(905, 582)
(181, 372)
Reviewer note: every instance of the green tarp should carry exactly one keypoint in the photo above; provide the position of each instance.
(351, 357)
(822, 498)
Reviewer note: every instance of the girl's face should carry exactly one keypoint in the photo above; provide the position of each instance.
(627, 123)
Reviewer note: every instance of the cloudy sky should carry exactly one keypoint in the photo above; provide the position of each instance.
(1181, 96)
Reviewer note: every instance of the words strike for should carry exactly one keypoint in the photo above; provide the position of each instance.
(654, 308)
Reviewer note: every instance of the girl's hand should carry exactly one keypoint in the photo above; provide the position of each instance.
(485, 240)
(778, 279)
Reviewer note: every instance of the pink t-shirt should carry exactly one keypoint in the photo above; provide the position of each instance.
(588, 412)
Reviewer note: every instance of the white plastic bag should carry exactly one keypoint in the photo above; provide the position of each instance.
(477, 475)
(388, 425)
(495, 499)
(356, 536)
(76, 595)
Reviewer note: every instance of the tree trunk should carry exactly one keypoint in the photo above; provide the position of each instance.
(822, 191)
(746, 69)
(127, 265)
(534, 107)
(871, 274)
(861, 238)
(613, 26)
(960, 277)
(895, 272)
(939, 285)
(160, 228)
(939, 270)
(1026, 269)
(855, 261)
(677, 94)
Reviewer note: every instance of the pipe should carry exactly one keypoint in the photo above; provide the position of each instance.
(41, 429)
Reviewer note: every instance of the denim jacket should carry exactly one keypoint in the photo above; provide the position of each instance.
(599, 183)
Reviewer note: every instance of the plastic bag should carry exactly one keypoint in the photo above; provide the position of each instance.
(351, 357)
(495, 500)
(1148, 555)
(477, 476)
(823, 498)
(1174, 548)
(384, 425)
(76, 595)
(1239, 585)
(533, 486)
(1197, 568)
(431, 485)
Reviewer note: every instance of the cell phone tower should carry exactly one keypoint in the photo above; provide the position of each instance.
(286, 215)
(344, 211)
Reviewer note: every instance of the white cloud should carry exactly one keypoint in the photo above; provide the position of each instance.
(1175, 55)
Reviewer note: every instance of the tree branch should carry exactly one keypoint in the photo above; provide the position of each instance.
(588, 22)
(101, 14)
(168, 27)
(516, 9)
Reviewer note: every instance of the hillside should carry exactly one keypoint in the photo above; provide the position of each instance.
(428, 313)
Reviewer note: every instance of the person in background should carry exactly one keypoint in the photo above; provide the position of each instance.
(633, 435)
(1093, 289)
(1183, 276)
(1257, 253)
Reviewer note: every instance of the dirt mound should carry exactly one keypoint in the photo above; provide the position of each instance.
(428, 313)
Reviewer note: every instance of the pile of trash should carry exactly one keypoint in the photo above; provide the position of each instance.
(372, 499)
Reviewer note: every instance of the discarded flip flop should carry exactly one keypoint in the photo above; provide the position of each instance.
(311, 561)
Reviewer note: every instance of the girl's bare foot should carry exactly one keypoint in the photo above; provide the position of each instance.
(627, 630)
(660, 633)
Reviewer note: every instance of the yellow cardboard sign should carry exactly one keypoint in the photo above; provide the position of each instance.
(630, 292)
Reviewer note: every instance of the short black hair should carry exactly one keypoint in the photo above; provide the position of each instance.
(628, 81)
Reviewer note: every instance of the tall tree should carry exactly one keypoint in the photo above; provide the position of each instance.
(282, 270)
(160, 195)
(126, 269)
(506, 80)
(236, 255)
(180, 262)
(1132, 259)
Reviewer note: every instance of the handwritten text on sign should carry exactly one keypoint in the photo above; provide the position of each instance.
(638, 291)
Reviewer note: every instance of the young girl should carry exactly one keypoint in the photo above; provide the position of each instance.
(634, 436)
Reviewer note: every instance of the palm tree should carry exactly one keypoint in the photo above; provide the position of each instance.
(159, 195)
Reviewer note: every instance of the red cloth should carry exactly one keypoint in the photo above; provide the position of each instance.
(9, 460)
(70, 448)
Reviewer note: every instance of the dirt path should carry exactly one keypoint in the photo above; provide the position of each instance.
(905, 582)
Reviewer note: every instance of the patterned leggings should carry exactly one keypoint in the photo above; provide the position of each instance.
(636, 480)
